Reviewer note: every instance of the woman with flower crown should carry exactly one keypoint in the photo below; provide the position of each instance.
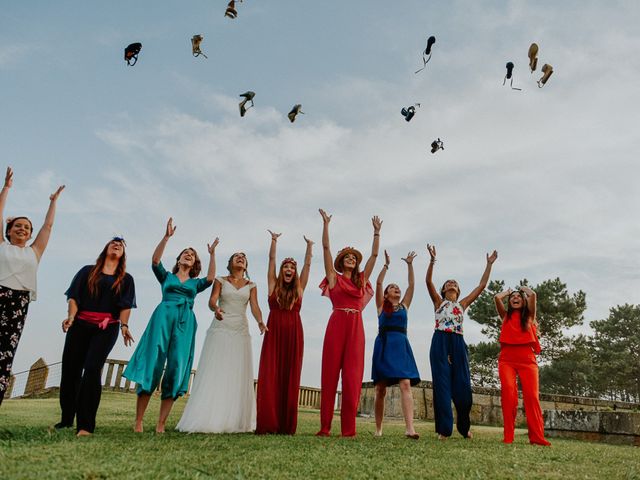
(283, 344)
(343, 349)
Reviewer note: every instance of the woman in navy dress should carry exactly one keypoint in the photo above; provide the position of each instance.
(393, 362)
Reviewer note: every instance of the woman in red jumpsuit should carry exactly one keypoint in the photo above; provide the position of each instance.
(343, 350)
(518, 348)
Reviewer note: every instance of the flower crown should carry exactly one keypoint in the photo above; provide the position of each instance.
(289, 260)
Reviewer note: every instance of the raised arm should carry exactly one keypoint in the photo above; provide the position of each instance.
(271, 270)
(531, 302)
(329, 271)
(375, 247)
(4, 193)
(157, 253)
(304, 274)
(408, 295)
(499, 301)
(42, 239)
(255, 310)
(211, 273)
(380, 282)
(475, 293)
(431, 288)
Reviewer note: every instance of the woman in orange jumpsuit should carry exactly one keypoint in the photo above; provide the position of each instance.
(518, 348)
(343, 348)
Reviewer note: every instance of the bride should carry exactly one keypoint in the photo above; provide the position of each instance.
(222, 399)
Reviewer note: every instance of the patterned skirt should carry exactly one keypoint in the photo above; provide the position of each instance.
(13, 312)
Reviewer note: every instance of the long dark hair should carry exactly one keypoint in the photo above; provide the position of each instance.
(194, 271)
(96, 270)
(287, 294)
(524, 311)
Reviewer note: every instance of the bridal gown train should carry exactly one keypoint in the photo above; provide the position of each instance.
(222, 399)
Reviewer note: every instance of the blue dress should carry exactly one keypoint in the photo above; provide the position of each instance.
(392, 355)
(169, 338)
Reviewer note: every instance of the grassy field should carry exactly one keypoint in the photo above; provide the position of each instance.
(29, 448)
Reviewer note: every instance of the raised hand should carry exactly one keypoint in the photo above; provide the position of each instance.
(8, 178)
(409, 258)
(309, 242)
(274, 236)
(212, 248)
(377, 224)
(54, 196)
(432, 251)
(387, 259)
(492, 258)
(171, 229)
(326, 218)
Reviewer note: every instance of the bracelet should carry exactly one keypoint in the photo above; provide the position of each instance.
(385, 266)
(123, 325)
(376, 234)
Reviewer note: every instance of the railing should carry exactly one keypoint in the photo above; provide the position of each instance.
(42, 377)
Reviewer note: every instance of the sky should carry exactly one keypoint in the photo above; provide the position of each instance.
(547, 177)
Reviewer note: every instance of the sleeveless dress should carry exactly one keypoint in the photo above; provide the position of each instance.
(280, 367)
(222, 398)
(170, 337)
(392, 355)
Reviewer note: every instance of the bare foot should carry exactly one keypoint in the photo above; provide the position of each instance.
(378, 433)
(83, 433)
(469, 435)
(442, 438)
(138, 427)
(412, 436)
(159, 428)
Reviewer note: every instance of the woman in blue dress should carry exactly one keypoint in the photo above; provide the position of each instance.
(393, 362)
(171, 332)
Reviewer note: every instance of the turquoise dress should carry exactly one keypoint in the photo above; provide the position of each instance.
(169, 338)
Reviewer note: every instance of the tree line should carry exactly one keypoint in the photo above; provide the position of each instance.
(604, 364)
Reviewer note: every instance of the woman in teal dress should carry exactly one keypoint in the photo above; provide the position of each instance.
(167, 345)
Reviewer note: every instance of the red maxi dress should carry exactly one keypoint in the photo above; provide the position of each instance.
(518, 351)
(279, 371)
(343, 350)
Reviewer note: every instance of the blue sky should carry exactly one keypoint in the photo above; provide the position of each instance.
(545, 176)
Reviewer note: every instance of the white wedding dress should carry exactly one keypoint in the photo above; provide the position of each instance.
(222, 398)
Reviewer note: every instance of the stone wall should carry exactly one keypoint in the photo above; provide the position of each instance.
(487, 408)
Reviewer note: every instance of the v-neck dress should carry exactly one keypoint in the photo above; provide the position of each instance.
(222, 398)
(169, 338)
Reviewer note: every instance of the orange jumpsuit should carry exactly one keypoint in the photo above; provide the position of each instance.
(518, 351)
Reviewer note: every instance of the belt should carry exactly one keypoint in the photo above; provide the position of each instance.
(185, 306)
(382, 333)
(348, 310)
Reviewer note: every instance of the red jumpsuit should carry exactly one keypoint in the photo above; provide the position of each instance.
(343, 349)
(518, 351)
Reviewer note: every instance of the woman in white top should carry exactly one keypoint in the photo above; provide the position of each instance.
(222, 399)
(448, 352)
(18, 267)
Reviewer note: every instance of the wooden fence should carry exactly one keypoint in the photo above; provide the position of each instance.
(113, 380)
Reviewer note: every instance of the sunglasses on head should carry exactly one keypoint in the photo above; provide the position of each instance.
(119, 239)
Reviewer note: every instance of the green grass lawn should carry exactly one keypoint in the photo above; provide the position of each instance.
(29, 448)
